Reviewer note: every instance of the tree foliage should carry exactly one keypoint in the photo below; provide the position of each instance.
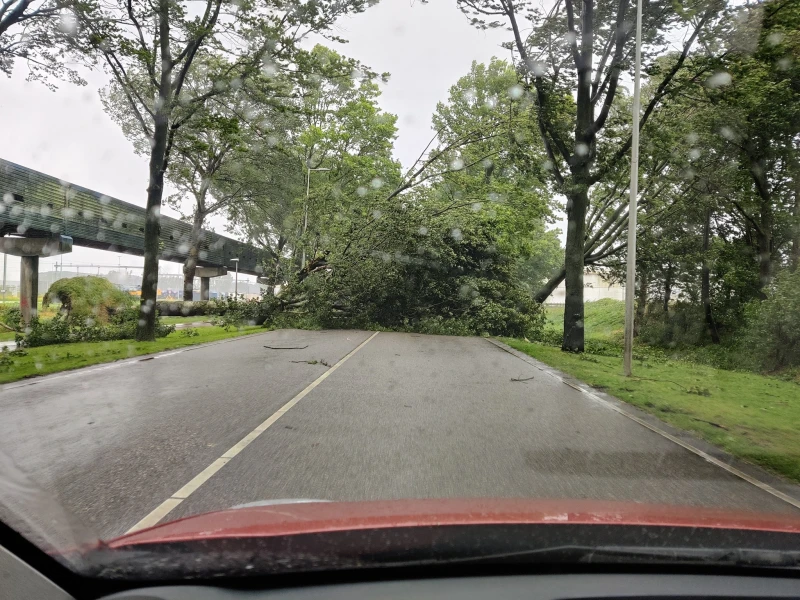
(87, 298)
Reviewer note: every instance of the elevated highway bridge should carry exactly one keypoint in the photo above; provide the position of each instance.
(41, 215)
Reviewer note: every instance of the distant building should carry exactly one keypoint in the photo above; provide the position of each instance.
(595, 287)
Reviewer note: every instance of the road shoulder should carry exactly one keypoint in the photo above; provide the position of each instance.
(772, 484)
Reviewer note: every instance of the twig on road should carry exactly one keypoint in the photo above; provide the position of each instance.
(287, 347)
(526, 379)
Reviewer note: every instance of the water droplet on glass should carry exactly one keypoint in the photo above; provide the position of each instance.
(361, 190)
(457, 164)
(581, 149)
(423, 231)
(376, 214)
(719, 79)
(456, 234)
(775, 38)
(377, 183)
(515, 92)
(477, 206)
(68, 23)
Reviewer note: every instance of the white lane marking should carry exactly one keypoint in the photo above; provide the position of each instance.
(187, 490)
(704, 455)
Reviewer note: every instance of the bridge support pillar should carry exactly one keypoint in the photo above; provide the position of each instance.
(29, 287)
(29, 250)
(205, 285)
(205, 274)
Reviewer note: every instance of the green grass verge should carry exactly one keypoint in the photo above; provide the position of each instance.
(605, 319)
(63, 357)
(176, 320)
(753, 417)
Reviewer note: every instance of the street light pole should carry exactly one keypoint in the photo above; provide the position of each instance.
(630, 280)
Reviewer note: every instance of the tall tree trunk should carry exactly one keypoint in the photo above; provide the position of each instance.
(190, 264)
(796, 220)
(705, 282)
(573, 272)
(764, 233)
(667, 289)
(146, 327)
(641, 301)
(764, 242)
(796, 232)
(578, 195)
(668, 326)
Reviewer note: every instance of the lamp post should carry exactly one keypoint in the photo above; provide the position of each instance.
(305, 209)
(236, 281)
(630, 280)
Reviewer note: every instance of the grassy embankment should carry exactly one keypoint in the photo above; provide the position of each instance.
(63, 357)
(753, 417)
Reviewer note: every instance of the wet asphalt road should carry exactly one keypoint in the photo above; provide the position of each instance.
(407, 416)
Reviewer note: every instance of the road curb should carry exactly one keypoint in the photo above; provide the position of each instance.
(756, 476)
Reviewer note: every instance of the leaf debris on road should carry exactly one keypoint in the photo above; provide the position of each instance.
(526, 379)
(287, 347)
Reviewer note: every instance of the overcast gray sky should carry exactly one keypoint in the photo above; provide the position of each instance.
(425, 47)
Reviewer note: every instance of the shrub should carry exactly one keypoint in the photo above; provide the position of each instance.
(59, 330)
(685, 325)
(12, 316)
(771, 338)
(83, 299)
(235, 312)
(179, 308)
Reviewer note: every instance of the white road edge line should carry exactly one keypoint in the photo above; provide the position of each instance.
(163, 509)
(704, 455)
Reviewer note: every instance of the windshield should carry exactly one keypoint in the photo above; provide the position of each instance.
(272, 259)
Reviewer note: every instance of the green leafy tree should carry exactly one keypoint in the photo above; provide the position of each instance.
(571, 64)
(39, 33)
(151, 50)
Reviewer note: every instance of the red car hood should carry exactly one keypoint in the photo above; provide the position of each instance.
(321, 517)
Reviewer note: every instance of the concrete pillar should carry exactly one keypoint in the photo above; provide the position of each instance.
(205, 274)
(205, 285)
(29, 287)
(30, 249)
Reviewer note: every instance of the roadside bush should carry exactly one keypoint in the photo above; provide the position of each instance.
(59, 330)
(179, 308)
(771, 338)
(87, 299)
(11, 316)
(235, 312)
(684, 325)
